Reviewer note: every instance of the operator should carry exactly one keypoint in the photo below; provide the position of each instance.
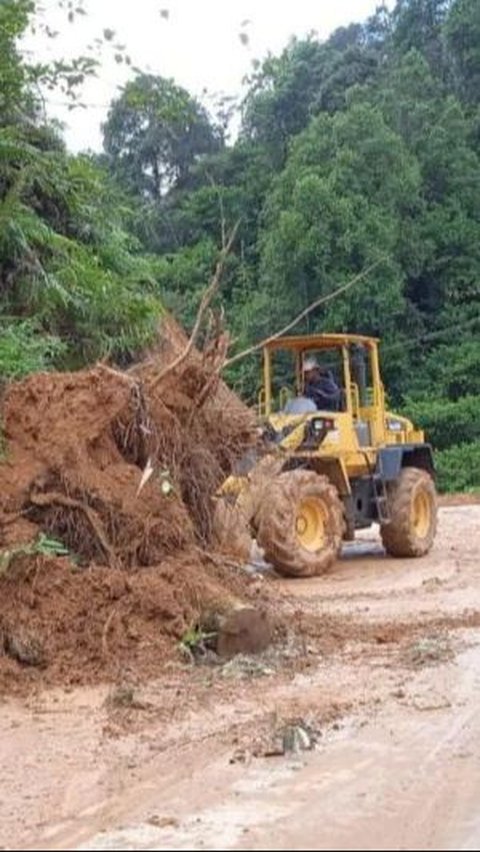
(320, 386)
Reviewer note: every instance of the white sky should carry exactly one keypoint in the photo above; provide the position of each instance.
(199, 45)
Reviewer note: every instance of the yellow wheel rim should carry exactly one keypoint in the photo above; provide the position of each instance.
(421, 514)
(311, 522)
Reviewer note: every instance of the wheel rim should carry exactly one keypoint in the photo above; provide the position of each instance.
(311, 522)
(421, 514)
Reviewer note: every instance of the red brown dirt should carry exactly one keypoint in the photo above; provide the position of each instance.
(78, 445)
(100, 623)
(386, 682)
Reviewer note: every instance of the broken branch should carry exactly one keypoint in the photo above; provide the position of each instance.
(321, 301)
(204, 304)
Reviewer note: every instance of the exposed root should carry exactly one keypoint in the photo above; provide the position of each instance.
(53, 497)
(122, 468)
(105, 632)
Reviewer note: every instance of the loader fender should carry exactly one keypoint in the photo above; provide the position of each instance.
(391, 460)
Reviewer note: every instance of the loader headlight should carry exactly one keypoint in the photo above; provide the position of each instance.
(316, 430)
(321, 424)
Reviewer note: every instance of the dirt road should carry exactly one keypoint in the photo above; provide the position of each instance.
(363, 733)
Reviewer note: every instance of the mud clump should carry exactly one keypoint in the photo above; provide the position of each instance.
(120, 468)
(75, 626)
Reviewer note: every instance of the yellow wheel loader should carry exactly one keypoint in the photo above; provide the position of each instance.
(328, 464)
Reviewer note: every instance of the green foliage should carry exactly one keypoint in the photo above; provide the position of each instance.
(441, 254)
(463, 39)
(43, 546)
(25, 348)
(154, 133)
(310, 77)
(458, 468)
(195, 642)
(21, 82)
(14, 16)
(48, 546)
(446, 422)
(420, 24)
(362, 148)
(75, 284)
(333, 211)
(450, 370)
(183, 276)
(69, 267)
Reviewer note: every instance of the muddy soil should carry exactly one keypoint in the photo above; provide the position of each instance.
(107, 547)
(358, 731)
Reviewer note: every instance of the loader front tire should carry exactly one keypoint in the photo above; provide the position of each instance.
(300, 523)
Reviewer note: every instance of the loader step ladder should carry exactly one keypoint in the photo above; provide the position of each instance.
(380, 498)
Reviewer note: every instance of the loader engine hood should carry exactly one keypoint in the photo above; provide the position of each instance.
(280, 431)
(304, 431)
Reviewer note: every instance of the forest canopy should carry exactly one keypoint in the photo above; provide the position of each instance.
(361, 148)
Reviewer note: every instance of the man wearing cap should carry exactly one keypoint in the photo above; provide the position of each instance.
(320, 386)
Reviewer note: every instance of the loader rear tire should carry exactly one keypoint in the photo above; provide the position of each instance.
(300, 523)
(413, 510)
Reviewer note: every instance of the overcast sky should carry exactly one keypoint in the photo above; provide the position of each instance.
(197, 42)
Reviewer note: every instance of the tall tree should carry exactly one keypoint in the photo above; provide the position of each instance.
(463, 39)
(442, 252)
(154, 134)
(338, 207)
(419, 24)
(73, 282)
(14, 16)
(307, 78)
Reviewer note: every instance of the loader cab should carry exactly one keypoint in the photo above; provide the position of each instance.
(352, 360)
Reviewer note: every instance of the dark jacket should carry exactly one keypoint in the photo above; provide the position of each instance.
(324, 392)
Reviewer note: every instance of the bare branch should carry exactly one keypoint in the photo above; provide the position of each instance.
(207, 297)
(223, 223)
(321, 301)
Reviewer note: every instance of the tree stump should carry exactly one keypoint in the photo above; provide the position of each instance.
(239, 629)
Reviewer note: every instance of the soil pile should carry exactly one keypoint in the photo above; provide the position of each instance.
(120, 468)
